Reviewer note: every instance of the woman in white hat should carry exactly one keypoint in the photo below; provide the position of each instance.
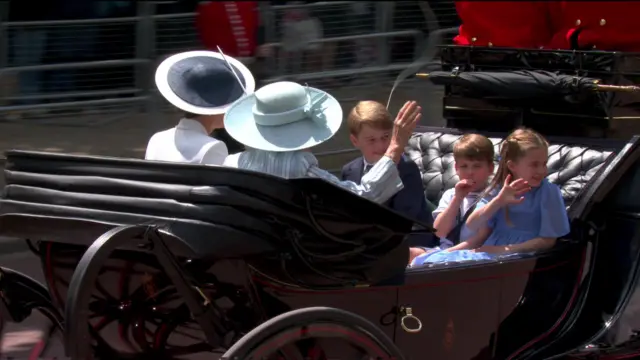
(203, 84)
(281, 120)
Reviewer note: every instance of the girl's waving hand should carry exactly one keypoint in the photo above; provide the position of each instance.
(512, 191)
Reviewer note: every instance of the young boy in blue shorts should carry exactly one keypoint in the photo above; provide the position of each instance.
(473, 155)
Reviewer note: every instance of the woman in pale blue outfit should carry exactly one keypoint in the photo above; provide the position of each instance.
(281, 121)
(526, 215)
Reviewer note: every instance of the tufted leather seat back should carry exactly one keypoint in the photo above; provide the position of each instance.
(570, 166)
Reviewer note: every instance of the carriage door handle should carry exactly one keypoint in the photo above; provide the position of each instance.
(409, 322)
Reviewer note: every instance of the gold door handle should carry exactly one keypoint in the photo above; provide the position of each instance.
(407, 314)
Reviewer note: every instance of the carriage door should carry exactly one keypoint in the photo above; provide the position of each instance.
(449, 313)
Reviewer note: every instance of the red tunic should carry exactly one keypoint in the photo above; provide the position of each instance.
(520, 24)
(605, 25)
(232, 25)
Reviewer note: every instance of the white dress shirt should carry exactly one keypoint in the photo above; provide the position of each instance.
(188, 142)
(379, 184)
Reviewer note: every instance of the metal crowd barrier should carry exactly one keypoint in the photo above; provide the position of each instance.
(352, 40)
(49, 69)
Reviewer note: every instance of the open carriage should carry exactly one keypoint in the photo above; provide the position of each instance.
(159, 260)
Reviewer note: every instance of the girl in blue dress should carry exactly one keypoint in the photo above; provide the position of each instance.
(524, 215)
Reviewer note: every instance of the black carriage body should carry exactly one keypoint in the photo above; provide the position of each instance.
(243, 233)
(594, 114)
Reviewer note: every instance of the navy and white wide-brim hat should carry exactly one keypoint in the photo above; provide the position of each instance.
(202, 82)
(284, 116)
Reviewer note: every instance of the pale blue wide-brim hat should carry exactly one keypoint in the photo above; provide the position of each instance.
(284, 116)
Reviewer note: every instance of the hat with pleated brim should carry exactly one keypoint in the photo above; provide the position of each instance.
(284, 116)
(203, 82)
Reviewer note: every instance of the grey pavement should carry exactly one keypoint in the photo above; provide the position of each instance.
(126, 134)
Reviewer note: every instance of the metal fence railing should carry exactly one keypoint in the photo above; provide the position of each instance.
(54, 71)
(346, 44)
(72, 65)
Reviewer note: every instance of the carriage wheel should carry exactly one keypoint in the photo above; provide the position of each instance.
(24, 297)
(151, 318)
(276, 336)
(135, 311)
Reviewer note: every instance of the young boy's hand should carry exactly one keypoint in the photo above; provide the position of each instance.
(463, 188)
(403, 127)
(511, 192)
(406, 121)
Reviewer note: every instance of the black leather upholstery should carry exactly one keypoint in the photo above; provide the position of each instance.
(219, 212)
(570, 166)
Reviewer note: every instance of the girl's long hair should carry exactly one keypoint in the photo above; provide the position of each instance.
(514, 147)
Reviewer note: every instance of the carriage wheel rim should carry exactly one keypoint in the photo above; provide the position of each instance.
(291, 335)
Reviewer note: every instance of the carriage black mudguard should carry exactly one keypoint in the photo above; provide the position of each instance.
(606, 217)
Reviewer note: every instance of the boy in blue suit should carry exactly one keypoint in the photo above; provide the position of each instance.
(370, 125)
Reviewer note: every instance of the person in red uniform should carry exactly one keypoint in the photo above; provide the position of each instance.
(519, 24)
(601, 25)
(232, 25)
(235, 27)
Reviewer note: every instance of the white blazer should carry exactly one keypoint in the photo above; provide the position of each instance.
(188, 142)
